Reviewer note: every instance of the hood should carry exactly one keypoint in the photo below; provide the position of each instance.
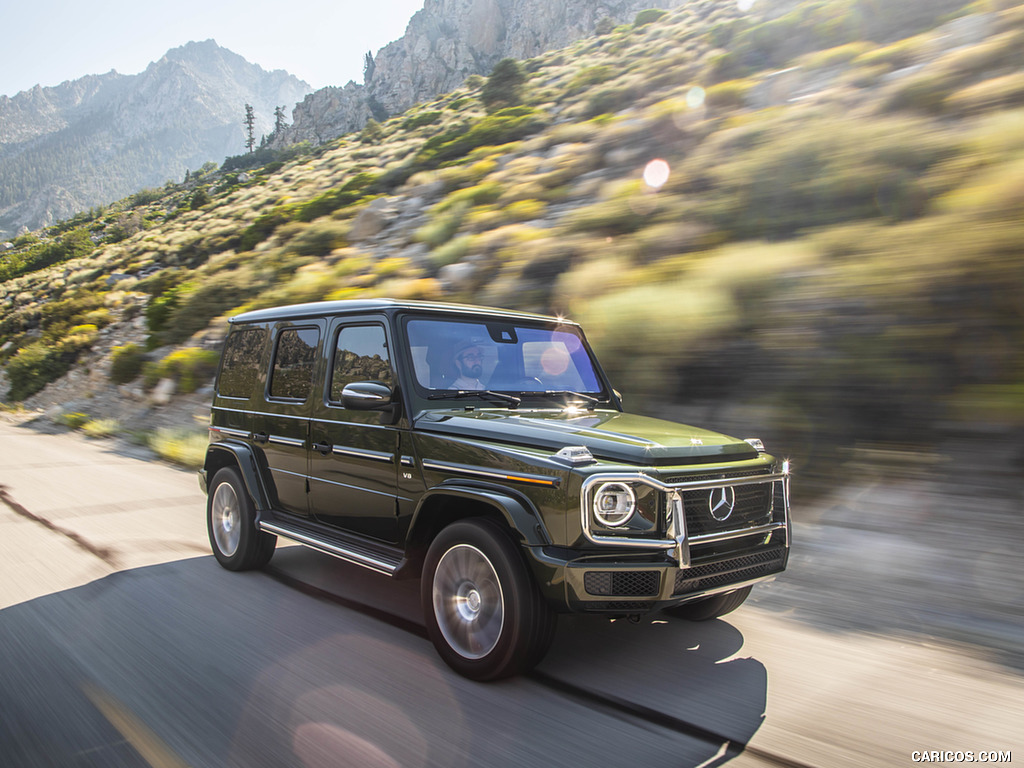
(610, 435)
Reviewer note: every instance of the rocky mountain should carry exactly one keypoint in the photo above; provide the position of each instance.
(90, 141)
(444, 43)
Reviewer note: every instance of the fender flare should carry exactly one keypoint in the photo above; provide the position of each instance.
(518, 512)
(244, 458)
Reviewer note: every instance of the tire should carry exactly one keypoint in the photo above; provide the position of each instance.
(710, 607)
(482, 609)
(231, 524)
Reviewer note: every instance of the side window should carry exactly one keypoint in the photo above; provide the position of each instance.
(292, 376)
(361, 354)
(240, 370)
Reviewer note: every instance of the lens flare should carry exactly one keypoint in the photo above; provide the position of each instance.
(656, 174)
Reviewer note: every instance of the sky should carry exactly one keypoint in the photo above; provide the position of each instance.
(46, 42)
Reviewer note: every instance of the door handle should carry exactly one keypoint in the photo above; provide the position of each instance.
(260, 437)
(324, 448)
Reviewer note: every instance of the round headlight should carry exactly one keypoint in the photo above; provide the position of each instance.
(614, 504)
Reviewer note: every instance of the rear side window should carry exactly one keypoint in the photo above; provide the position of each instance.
(240, 371)
(292, 377)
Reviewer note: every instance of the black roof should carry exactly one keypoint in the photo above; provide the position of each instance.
(355, 306)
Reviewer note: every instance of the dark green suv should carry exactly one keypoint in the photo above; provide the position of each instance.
(485, 452)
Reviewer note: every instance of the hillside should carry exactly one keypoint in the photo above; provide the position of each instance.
(805, 226)
(91, 141)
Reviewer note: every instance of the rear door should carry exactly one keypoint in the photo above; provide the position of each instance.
(282, 428)
(353, 464)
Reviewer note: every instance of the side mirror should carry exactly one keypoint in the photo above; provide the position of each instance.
(366, 396)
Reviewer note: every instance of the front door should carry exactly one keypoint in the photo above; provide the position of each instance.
(354, 457)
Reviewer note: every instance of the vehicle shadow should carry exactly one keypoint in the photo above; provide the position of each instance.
(295, 667)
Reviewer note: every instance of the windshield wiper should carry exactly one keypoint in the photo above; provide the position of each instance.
(590, 400)
(483, 394)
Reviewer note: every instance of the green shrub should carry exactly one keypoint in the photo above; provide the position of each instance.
(502, 127)
(442, 227)
(452, 251)
(101, 428)
(184, 447)
(74, 420)
(728, 95)
(100, 317)
(898, 55)
(35, 366)
(997, 93)
(126, 363)
(611, 99)
(504, 88)
(72, 245)
(372, 132)
(264, 226)
(80, 337)
(320, 238)
(524, 210)
(145, 197)
(800, 173)
(834, 57)
(199, 198)
(420, 119)
(648, 16)
(480, 194)
(189, 367)
(353, 190)
(588, 77)
(923, 92)
(609, 217)
(196, 303)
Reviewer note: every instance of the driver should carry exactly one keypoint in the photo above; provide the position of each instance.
(469, 360)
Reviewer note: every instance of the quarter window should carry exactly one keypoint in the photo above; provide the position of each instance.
(292, 377)
(361, 354)
(240, 370)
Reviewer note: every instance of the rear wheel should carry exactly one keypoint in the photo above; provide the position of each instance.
(231, 523)
(483, 611)
(710, 607)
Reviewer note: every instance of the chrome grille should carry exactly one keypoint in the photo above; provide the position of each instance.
(753, 503)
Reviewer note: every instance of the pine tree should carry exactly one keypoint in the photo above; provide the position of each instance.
(279, 124)
(250, 128)
(369, 65)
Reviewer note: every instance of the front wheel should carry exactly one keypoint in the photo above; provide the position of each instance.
(710, 607)
(237, 543)
(482, 610)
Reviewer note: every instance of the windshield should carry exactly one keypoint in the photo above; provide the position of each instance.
(500, 356)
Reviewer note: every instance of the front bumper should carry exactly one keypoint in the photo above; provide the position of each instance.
(633, 575)
(644, 583)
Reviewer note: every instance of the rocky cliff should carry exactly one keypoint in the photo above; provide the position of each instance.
(89, 141)
(444, 43)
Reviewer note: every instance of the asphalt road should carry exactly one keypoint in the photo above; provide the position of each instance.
(123, 643)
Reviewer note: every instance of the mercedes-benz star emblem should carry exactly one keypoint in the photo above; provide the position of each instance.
(721, 503)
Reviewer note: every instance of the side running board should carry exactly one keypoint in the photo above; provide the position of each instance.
(356, 553)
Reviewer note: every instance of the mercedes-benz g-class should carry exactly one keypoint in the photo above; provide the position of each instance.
(485, 452)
